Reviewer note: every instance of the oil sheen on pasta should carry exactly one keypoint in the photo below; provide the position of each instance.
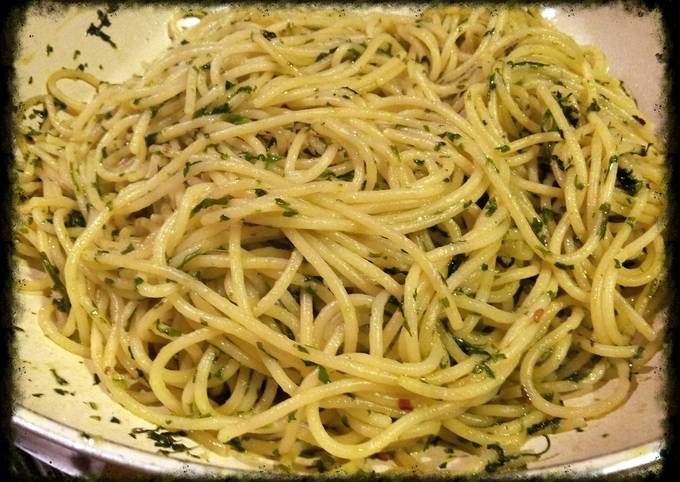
(328, 237)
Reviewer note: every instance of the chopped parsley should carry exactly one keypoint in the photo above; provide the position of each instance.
(63, 304)
(455, 263)
(97, 30)
(604, 209)
(483, 367)
(491, 207)
(552, 423)
(166, 329)
(452, 136)
(235, 119)
(59, 379)
(207, 110)
(569, 110)
(288, 211)
(323, 55)
(267, 158)
(247, 89)
(474, 349)
(593, 107)
(492, 81)
(75, 219)
(627, 182)
(323, 375)
(207, 202)
(161, 438)
(63, 392)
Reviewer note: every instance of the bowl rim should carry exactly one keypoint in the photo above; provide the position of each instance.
(31, 427)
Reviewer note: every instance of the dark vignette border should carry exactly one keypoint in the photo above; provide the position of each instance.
(16, 465)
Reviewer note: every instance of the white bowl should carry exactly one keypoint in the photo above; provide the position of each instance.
(60, 430)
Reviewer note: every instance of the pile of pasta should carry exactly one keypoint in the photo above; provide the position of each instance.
(330, 237)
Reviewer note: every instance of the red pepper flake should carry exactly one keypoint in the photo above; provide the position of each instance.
(538, 314)
(405, 404)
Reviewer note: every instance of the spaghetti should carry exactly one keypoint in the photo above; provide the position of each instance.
(325, 237)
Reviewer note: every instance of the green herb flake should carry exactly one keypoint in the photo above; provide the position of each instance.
(626, 181)
(62, 392)
(235, 119)
(323, 55)
(569, 110)
(492, 81)
(455, 263)
(220, 109)
(268, 35)
(63, 304)
(593, 107)
(207, 202)
(552, 423)
(604, 209)
(60, 380)
(483, 367)
(75, 219)
(491, 207)
(302, 349)
(97, 30)
(288, 211)
(267, 158)
(452, 136)
(323, 375)
(166, 329)
(474, 349)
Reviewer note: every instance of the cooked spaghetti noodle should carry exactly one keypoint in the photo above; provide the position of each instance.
(325, 237)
